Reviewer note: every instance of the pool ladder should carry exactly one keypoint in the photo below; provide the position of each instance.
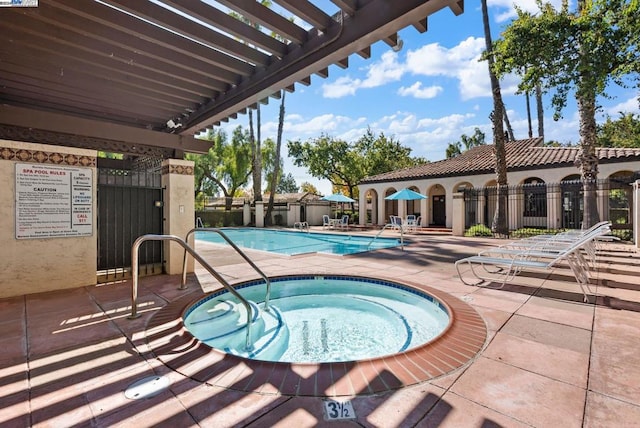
(188, 249)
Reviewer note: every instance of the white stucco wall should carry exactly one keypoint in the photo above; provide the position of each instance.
(177, 178)
(41, 264)
(449, 186)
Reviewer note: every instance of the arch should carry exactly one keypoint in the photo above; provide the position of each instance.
(370, 213)
(473, 205)
(437, 210)
(534, 210)
(572, 201)
(413, 207)
(390, 207)
(620, 197)
(462, 186)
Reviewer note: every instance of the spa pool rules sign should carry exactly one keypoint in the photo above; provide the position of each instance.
(53, 201)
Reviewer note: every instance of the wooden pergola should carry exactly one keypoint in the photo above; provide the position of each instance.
(144, 77)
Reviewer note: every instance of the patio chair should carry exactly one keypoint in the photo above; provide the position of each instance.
(344, 222)
(503, 264)
(326, 221)
(413, 224)
(396, 223)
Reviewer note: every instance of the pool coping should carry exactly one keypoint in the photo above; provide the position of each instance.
(456, 347)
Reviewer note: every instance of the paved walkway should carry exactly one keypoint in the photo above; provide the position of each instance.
(549, 360)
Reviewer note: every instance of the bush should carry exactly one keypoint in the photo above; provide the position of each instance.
(527, 232)
(623, 234)
(478, 230)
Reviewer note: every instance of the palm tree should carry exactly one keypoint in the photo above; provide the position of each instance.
(276, 166)
(499, 223)
(540, 111)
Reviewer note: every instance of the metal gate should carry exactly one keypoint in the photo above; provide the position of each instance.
(129, 205)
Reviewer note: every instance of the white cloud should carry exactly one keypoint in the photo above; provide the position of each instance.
(381, 72)
(417, 91)
(628, 106)
(342, 87)
(326, 123)
(507, 10)
(461, 62)
(388, 69)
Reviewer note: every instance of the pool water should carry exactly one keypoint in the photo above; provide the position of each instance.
(293, 243)
(316, 318)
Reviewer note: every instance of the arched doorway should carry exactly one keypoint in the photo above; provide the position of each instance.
(390, 206)
(437, 195)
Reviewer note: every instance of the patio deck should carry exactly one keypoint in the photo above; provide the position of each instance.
(549, 359)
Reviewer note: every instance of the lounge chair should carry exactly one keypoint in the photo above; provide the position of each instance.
(503, 264)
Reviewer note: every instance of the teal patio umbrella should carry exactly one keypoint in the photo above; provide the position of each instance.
(337, 198)
(405, 195)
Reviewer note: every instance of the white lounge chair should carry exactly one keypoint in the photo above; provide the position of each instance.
(503, 264)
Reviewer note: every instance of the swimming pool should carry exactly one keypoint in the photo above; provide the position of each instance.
(293, 243)
(315, 318)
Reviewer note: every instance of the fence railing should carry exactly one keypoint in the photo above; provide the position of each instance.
(552, 205)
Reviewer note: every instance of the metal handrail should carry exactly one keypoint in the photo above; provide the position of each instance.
(238, 250)
(196, 256)
(386, 226)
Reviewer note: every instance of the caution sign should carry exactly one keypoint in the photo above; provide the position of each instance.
(53, 201)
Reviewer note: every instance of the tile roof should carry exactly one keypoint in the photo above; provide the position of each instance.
(521, 155)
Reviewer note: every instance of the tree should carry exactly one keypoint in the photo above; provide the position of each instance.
(499, 223)
(540, 111)
(254, 138)
(287, 184)
(477, 139)
(328, 158)
(345, 164)
(307, 187)
(226, 166)
(453, 150)
(277, 161)
(623, 132)
(579, 51)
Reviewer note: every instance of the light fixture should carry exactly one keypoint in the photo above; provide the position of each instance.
(172, 124)
(398, 46)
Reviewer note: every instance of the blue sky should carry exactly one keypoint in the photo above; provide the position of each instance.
(425, 96)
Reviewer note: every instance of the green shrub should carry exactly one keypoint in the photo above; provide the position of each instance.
(623, 234)
(478, 230)
(526, 232)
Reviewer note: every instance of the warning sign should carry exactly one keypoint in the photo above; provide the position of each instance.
(53, 201)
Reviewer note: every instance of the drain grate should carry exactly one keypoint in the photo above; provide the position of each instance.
(147, 387)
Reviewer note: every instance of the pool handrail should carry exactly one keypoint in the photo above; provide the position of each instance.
(387, 226)
(196, 256)
(183, 284)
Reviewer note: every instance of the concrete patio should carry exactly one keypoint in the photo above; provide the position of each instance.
(549, 359)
